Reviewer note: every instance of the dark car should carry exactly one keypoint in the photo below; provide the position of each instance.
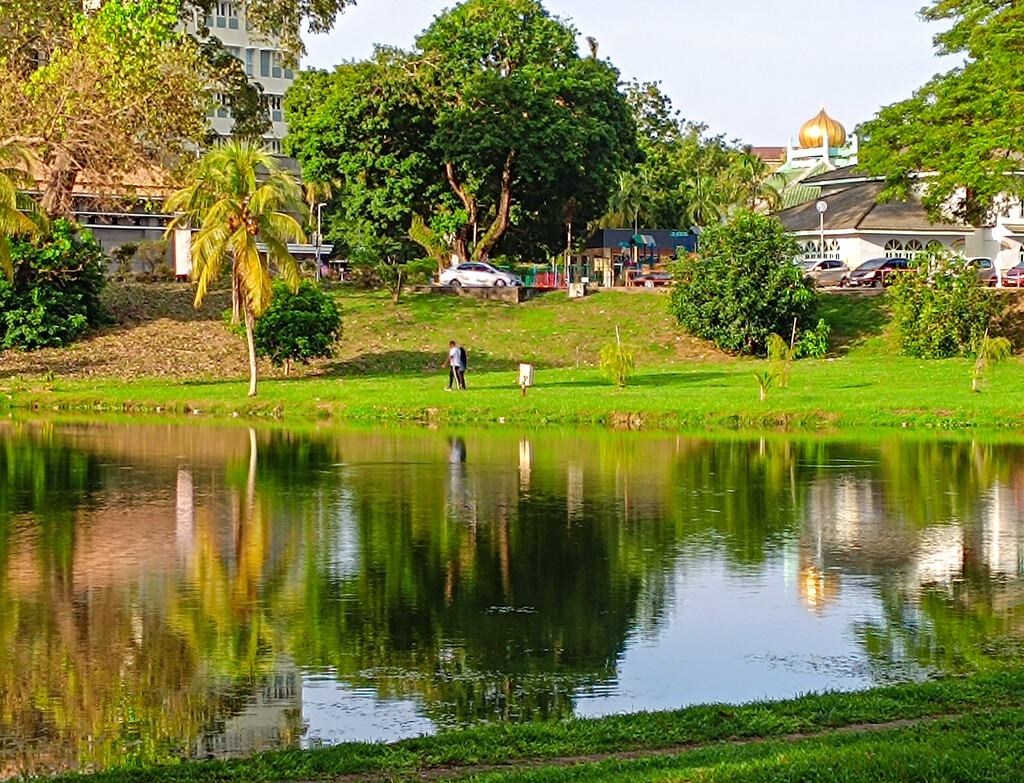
(652, 279)
(1013, 277)
(877, 271)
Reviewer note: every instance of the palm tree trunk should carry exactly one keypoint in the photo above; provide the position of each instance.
(250, 326)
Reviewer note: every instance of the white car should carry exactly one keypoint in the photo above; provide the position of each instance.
(477, 273)
(826, 272)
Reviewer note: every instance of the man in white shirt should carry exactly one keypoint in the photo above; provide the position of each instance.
(456, 364)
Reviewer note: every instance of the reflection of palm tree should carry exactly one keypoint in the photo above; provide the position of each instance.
(236, 206)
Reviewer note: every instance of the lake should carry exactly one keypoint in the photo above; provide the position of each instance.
(181, 590)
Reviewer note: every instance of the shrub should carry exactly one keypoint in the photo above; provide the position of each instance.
(813, 342)
(743, 286)
(940, 310)
(55, 294)
(297, 327)
(617, 362)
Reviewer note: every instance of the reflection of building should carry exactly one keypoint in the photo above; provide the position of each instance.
(852, 525)
(271, 717)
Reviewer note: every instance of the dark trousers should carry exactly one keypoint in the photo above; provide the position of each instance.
(457, 376)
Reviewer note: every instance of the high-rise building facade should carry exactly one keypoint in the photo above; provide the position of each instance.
(260, 56)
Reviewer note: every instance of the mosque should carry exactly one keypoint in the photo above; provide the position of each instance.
(828, 201)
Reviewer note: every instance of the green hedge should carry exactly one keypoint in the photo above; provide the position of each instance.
(55, 294)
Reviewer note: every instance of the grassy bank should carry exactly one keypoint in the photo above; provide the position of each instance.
(958, 729)
(387, 369)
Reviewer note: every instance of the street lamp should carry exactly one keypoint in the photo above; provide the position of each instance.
(822, 207)
(319, 206)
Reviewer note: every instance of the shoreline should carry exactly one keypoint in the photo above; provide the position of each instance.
(886, 727)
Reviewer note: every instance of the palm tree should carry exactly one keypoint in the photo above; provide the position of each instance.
(14, 208)
(238, 198)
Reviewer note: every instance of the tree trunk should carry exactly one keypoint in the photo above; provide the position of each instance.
(57, 198)
(250, 326)
(501, 220)
(398, 285)
(460, 247)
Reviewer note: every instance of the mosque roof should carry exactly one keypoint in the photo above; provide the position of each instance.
(856, 207)
(842, 174)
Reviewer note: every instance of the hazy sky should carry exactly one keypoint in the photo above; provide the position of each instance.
(750, 69)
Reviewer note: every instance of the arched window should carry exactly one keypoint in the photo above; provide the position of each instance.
(911, 249)
(893, 248)
(811, 250)
(959, 247)
(832, 249)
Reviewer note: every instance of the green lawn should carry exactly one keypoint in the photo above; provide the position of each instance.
(388, 369)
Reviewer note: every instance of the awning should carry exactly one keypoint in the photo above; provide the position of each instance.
(644, 240)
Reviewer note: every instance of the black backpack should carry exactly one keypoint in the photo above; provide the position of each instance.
(464, 357)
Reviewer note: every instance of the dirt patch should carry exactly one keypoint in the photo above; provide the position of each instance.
(157, 333)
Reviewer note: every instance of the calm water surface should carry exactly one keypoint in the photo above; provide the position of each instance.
(186, 591)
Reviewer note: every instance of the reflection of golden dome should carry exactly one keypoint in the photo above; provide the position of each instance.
(812, 132)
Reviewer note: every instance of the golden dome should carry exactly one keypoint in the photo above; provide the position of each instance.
(812, 132)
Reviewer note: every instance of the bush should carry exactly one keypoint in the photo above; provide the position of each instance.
(297, 327)
(940, 310)
(55, 294)
(743, 286)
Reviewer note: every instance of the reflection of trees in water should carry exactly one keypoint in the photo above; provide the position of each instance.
(489, 577)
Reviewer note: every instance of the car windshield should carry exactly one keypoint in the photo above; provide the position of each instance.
(874, 263)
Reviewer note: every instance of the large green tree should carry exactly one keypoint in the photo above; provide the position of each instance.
(964, 128)
(239, 198)
(493, 130)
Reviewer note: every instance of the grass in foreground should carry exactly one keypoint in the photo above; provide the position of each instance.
(956, 729)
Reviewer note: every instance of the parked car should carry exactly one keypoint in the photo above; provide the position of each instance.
(652, 279)
(1012, 277)
(477, 273)
(825, 271)
(984, 269)
(877, 271)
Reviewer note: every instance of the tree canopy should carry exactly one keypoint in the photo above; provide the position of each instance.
(964, 128)
(686, 177)
(493, 129)
(96, 101)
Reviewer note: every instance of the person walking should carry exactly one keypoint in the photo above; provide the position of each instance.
(456, 364)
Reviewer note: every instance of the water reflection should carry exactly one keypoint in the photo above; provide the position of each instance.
(184, 591)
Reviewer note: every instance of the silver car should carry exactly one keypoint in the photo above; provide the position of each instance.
(477, 273)
(825, 271)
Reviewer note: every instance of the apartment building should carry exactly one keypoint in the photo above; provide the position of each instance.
(262, 59)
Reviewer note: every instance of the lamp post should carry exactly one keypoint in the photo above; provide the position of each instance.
(822, 207)
(319, 206)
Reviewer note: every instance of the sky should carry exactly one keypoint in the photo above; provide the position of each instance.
(751, 70)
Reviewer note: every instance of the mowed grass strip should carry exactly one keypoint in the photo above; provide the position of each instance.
(984, 747)
(984, 711)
